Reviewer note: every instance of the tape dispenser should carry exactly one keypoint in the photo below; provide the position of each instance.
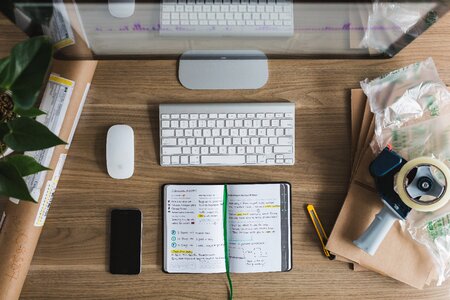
(420, 184)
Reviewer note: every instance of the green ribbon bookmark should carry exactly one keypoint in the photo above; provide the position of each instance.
(225, 238)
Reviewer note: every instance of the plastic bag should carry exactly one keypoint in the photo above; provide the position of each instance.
(433, 231)
(412, 114)
(411, 111)
(390, 23)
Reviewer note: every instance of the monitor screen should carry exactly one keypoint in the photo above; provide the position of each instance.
(280, 28)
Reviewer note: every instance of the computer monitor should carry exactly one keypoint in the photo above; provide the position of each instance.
(225, 44)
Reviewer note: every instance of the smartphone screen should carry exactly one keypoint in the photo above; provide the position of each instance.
(125, 247)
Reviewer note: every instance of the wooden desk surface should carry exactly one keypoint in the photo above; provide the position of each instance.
(71, 258)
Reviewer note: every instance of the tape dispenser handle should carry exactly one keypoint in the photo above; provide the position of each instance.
(375, 234)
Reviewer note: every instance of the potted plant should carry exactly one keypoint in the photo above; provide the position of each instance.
(22, 75)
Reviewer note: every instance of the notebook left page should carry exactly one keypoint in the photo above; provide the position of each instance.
(193, 229)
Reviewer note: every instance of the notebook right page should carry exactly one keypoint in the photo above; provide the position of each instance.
(259, 227)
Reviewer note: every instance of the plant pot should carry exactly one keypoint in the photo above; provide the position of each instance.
(6, 114)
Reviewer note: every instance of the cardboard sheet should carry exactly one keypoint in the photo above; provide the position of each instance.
(399, 256)
(23, 222)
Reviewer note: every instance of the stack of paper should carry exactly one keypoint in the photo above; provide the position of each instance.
(399, 256)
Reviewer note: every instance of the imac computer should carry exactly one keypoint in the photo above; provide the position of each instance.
(225, 44)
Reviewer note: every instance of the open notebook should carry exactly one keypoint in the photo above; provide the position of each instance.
(258, 222)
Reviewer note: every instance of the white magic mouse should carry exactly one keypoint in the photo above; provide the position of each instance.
(121, 8)
(120, 152)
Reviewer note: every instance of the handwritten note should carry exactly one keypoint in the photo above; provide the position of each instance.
(254, 228)
(194, 233)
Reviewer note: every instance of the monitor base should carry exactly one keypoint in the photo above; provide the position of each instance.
(223, 69)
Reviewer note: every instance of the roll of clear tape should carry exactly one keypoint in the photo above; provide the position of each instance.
(401, 187)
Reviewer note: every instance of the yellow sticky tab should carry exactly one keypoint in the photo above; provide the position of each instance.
(61, 80)
(200, 215)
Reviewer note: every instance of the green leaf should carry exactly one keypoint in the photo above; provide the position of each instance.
(29, 135)
(31, 112)
(28, 67)
(3, 130)
(12, 183)
(26, 165)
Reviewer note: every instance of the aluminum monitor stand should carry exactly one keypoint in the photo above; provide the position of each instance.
(223, 69)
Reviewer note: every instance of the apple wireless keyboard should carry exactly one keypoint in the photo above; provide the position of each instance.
(227, 18)
(228, 134)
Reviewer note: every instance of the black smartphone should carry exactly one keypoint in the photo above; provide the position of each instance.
(125, 242)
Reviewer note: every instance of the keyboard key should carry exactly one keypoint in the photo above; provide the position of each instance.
(166, 160)
(282, 149)
(251, 159)
(186, 150)
(184, 160)
(194, 160)
(169, 142)
(286, 123)
(222, 159)
(168, 132)
(197, 132)
(171, 150)
(284, 141)
(206, 132)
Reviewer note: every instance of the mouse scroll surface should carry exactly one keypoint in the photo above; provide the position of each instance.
(120, 152)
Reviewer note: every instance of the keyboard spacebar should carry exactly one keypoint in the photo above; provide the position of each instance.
(223, 159)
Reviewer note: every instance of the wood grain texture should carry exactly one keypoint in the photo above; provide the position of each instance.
(71, 259)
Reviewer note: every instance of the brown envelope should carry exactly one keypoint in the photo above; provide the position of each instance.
(18, 234)
(398, 256)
